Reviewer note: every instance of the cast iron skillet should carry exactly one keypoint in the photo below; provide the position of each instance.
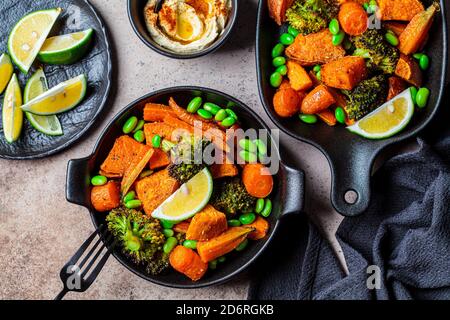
(288, 194)
(77, 15)
(351, 157)
(136, 16)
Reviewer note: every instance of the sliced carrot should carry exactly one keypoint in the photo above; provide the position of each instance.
(353, 18)
(286, 102)
(261, 226)
(317, 100)
(188, 262)
(107, 197)
(328, 117)
(257, 180)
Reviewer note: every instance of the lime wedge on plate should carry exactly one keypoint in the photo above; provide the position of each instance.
(12, 115)
(36, 86)
(28, 36)
(66, 49)
(6, 71)
(387, 120)
(61, 98)
(190, 199)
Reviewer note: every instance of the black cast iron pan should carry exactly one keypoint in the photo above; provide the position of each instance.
(288, 194)
(351, 157)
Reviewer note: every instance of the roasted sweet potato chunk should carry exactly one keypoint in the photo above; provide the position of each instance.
(317, 100)
(188, 262)
(162, 129)
(207, 224)
(400, 10)
(261, 228)
(344, 73)
(298, 76)
(277, 9)
(409, 70)
(156, 112)
(159, 159)
(223, 170)
(105, 198)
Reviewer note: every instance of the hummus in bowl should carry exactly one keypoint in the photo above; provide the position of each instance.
(187, 26)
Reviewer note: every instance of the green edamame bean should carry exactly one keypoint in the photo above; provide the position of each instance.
(267, 208)
(139, 126)
(317, 68)
(340, 115)
(249, 157)
(212, 265)
(365, 6)
(168, 233)
(334, 26)
(129, 196)
(275, 79)
(247, 218)
(129, 125)
(231, 113)
(418, 55)
(414, 94)
(287, 39)
(260, 203)
(248, 145)
(279, 61)
(139, 136)
(211, 108)
(133, 204)
(338, 38)
(194, 105)
(424, 62)
(262, 148)
(283, 70)
(145, 174)
(242, 246)
(99, 180)
(228, 122)
(422, 97)
(308, 118)
(293, 32)
(278, 50)
(234, 223)
(156, 141)
(221, 115)
(319, 75)
(204, 114)
(170, 244)
(166, 224)
(391, 38)
(221, 259)
(191, 244)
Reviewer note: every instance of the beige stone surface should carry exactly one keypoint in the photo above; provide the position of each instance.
(40, 230)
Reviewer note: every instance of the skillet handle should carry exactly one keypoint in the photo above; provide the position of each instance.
(350, 188)
(78, 182)
(292, 190)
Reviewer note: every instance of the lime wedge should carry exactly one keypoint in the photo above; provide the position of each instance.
(12, 115)
(36, 86)
(6, 71)
(387, 120)
(66, 49)
(190, 199)
(28, 36)
(61, 98)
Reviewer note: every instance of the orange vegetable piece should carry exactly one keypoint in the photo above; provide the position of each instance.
(317, 100)
(223, 170)
(298, 77)
(344, 73)
(403, 10)
(416, 32)
(207, 224)
(140, 159)
(396, 86)
(409, 70)
(277, 9)
(328, 117)
(156, 112)
(261, 226)
(223, 244)
(187, 262)
(395, 27)
(257, 180)
(315, 48)
(120, 156)
(162, 129)
(286, 102)
(155, 189)
(159, 159)
(353, 18)
(106, 197)
(181, 227)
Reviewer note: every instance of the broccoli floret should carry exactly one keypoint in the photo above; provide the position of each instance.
(187, 158)
(380, 55)
(231, 197)
(140, 236)
(311, 16)
(366, 97)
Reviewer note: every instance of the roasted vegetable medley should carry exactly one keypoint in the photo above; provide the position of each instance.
(347, 62)
(167, 206)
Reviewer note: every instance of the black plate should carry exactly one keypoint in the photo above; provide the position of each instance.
(351, 157)
(287, 197)
(136, 17)
(77, 15)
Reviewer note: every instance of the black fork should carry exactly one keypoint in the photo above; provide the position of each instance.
(74, 274)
